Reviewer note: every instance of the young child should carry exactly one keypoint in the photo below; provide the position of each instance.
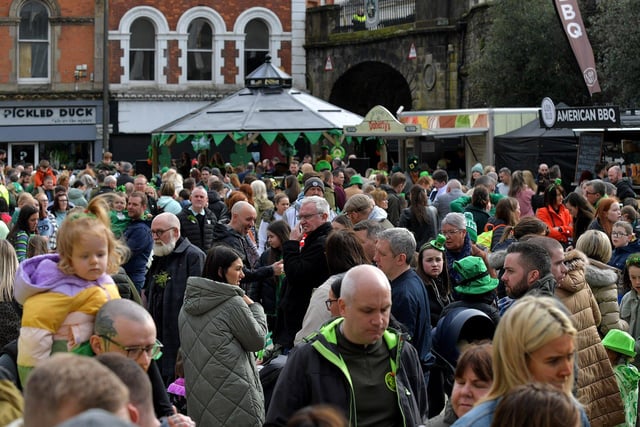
(61, 293)
(630, 303)
(620, 349)
(118, 215)
(624, 244)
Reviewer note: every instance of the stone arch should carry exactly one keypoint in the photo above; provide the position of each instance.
(371, 83)
(219, 30)
(52, 5)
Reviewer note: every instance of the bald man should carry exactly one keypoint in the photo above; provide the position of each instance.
(351, 362)
(236, 236)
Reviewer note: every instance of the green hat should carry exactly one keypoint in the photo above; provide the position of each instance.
(475, 276)
(424, 173)
(472, 228)
(413, 163)
(356, 179)
(620, 342)
(437, 243)
(323, 165)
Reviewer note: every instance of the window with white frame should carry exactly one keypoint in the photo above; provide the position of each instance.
(33, 42)
(142, 50)
(256, 45)
(200, 50)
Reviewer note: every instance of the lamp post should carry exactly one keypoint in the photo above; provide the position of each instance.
(105, 78)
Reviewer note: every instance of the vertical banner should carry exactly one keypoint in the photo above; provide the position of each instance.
(569, 14)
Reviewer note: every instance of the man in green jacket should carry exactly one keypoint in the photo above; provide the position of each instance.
(355, 362)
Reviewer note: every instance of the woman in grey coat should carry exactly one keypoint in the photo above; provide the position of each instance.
(220, 328)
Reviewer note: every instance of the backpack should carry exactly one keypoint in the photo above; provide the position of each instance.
(485, 238)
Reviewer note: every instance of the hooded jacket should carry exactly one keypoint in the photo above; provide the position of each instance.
(316, 373)
(603, 279)
(630, 312)
(59, 309)
(218, 333)
(595, 382)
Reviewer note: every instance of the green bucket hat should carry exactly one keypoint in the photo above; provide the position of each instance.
(323, 165)
(356, 179)
(475, 276)
(620, 342)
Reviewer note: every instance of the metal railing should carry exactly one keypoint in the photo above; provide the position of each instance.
(379, 14)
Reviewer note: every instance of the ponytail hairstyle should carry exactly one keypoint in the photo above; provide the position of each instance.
(91, 221)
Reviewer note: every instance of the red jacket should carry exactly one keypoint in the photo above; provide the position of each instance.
(560, 223)
(38, 177)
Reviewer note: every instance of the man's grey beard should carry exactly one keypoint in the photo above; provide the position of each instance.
(164, 249)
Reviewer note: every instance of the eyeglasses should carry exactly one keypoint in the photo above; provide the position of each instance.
(616, 234)
(154, 351)
(158, 233)
(307, 217)
(329, 302)
(451, 232)
(590, 193)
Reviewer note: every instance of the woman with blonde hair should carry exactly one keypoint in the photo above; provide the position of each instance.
(260, 200)
(534, 342)
(602, 278)
(9, 309)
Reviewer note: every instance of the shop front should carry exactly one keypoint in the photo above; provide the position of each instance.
(67, 133)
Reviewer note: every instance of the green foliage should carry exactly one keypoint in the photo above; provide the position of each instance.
(616, 44)
(526, 56)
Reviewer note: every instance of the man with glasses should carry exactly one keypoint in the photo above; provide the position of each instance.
(305, 265)
(174, 259)
(594, 191)
(124, 327)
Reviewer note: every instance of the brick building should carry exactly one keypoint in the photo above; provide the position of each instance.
(50, 80)
(172, 57)
(165, 59)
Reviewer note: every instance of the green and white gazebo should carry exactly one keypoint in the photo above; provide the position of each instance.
(267, 110)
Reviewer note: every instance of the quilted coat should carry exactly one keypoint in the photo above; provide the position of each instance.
(218, 332)
(602, 280)
(596, 381)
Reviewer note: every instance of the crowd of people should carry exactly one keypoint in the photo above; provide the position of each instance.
(215, 294)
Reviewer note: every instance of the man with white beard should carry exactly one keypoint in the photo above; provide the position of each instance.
(174, 259)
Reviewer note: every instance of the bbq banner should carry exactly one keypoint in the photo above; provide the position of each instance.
(569, 14)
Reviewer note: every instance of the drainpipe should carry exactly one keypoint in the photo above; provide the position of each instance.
(462, 31)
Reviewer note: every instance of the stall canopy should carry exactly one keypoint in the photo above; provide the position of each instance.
(268, 109)
(530, 145)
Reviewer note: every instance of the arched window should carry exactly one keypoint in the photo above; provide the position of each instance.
(33, 41)
(142, 50)
(256, 45)
(200, 50)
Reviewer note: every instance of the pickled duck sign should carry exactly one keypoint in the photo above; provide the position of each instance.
(569, 14)
(47, 116)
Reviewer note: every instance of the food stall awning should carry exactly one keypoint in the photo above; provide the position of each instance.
(379, 122)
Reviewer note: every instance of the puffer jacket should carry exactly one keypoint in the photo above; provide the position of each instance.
(602, 280)
(596, 382)
(218, 332)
